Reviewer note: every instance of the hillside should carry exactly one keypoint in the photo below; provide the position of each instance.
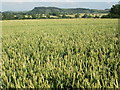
(49, 10)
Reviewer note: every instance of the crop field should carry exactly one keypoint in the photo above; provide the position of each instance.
(60, 53)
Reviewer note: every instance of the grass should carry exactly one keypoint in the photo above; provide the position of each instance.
(78, 53)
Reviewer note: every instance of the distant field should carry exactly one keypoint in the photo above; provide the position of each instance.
(73, 15)
(94, 14)
(57, 53)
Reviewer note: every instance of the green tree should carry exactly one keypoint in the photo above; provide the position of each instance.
(19, 16)
(115, 9)
(96, 16)
(63, 16)
(7, 16)
(114, 12)
(77, 16)
(41, 15)
(47, 16)
(85, 16)
(33, 16)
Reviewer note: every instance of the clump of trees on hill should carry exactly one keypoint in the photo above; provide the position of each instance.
(114, 13)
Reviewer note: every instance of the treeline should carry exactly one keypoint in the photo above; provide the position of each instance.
(14, 16)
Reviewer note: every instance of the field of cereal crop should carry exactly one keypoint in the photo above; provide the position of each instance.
(58, 53)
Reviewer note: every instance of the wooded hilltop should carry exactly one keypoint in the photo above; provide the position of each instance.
(57, 13)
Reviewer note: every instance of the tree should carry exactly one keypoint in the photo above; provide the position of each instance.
(47, 16)
(114, 12)
(20, 16)
(96, 16)
(59, 16)
(85, 16)
(41, 15)
(105, 16)
(115, 9)
(33, 16)
(63, 16)
(54, 13)
(0, 16)
(77, 16)
(7, 16)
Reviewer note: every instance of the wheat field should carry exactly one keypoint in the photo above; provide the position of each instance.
(60, 53)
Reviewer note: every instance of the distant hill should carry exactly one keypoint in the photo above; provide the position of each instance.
(48, 10)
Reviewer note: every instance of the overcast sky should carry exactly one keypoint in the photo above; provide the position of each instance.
(26, 5)
(60, 0)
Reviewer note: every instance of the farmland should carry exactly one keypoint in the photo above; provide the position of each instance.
(58, 53)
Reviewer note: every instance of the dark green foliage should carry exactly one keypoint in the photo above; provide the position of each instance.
(0, 16)
(48, 16)
(77, 16)
(55, 11)
(86, 16)
(64, 16)
(105, 16)
(114, 12)
(54, 14)
(34, 16)
(8, 15)
(115, 9)
(96, 16)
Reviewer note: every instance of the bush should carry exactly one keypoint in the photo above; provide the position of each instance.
(86, 16)
(77, 16)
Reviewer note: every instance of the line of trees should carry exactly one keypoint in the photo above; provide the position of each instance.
(14, 16)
